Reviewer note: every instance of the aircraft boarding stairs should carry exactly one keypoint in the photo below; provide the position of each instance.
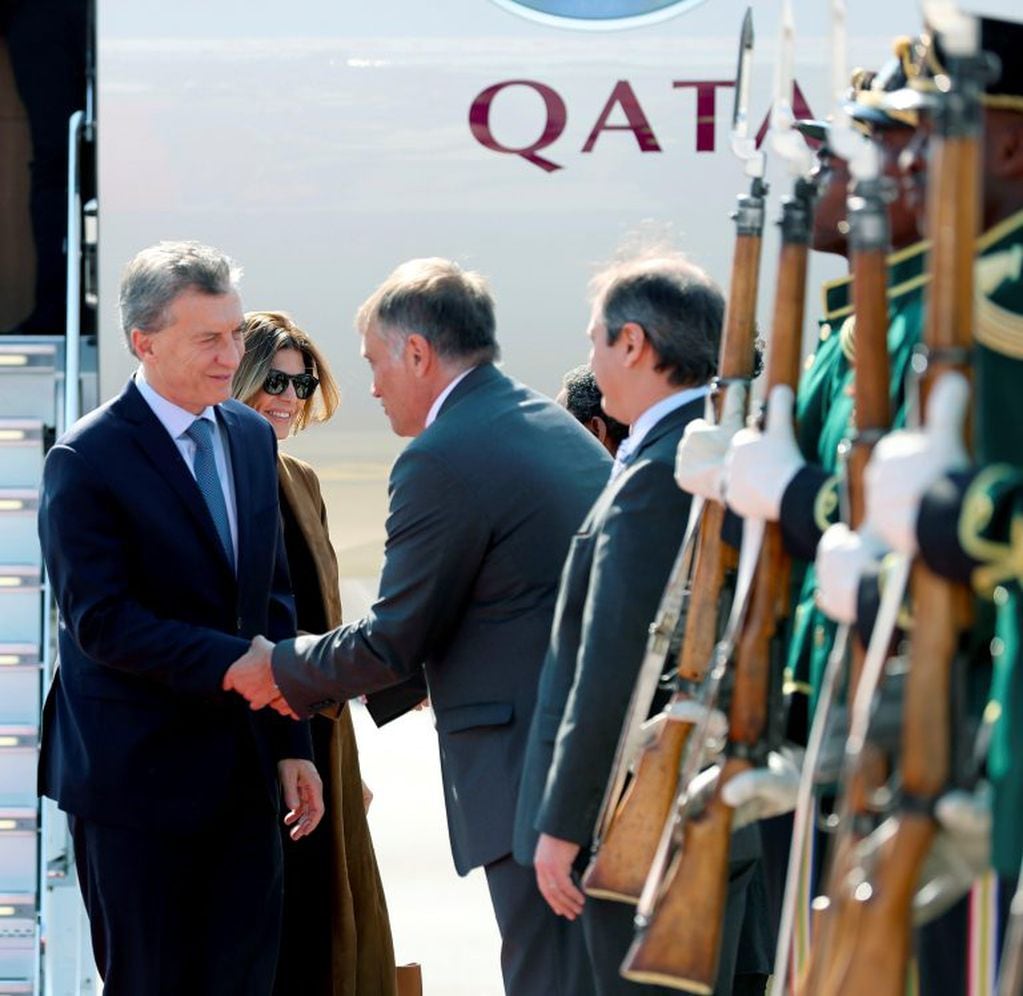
(40, 909)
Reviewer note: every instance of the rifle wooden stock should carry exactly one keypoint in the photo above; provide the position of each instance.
(624, 857)
(871, 941)
(877, 921)
(620, 866)
(872, 414)
(837, 917)
(680, 946)
(871, 380)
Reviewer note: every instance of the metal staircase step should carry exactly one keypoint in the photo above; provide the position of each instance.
(20, 683)
(19, 744)
(28, 373)
(22, 448)
(19, 538)
(19, 849)
(21, 616)
(18, 933)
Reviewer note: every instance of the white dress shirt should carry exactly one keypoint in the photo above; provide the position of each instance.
(176, 421)
(639, 429)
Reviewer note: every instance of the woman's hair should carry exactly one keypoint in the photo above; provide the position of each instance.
(265, 334)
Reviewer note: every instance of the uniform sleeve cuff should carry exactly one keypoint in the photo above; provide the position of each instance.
(809, 505)
(937, 528)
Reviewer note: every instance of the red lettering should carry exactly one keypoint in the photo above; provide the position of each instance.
(557, 116)
(706, 109)
(623, 96)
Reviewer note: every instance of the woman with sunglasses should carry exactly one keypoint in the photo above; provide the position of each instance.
(336, 938)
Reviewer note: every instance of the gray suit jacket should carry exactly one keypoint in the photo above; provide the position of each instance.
(483, 505)
(611, 586)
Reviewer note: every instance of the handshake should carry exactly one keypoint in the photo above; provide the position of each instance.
(251, 676)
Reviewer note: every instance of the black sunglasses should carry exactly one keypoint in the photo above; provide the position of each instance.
(277, 383)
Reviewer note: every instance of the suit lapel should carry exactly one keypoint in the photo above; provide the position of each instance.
(671, 422)
(161, 451)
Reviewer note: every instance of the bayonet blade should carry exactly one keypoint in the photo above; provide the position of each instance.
(740, 110)
(839, 72)
(786, 49)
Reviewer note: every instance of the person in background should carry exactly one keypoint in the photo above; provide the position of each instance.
(336, 938)
(580, 394)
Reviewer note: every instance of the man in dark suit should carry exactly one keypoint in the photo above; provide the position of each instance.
(483, 503)
(655, 329)
(160, 528)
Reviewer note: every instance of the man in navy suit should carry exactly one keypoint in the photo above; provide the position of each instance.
(160, 528)
(483, 503)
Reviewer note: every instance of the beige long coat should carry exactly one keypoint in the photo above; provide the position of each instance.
(362, 952)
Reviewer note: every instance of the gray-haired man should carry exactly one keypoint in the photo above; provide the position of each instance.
(160, 527)
(483, 503)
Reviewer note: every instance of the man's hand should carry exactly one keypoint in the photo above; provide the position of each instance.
(842, 557)
(760, 465)
(251, 676)
(700, 459)
(303, 795)
(553, 865)
(905, 464)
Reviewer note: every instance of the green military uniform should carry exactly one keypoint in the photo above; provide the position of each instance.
(971, 527)
(824, 413)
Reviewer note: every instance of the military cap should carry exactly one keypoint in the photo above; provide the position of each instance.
(866, 99)
(999, 37)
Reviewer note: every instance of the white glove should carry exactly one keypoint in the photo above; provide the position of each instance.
(700, 459)
(760, 465)
(765, 792)
(905, 464)
(960, 854)
(842, 557)
(692, 712)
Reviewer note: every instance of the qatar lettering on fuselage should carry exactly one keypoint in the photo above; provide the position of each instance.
(622, 105)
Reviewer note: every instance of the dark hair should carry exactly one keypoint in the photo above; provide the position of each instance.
(679, 308)
(435, 298)
(582, 399)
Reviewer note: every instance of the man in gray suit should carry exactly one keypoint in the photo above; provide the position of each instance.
(483, 503)
(655, 329)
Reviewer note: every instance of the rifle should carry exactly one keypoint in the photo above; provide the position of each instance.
(681, 912)
(629, 830)
(869, 244)
(872, 931)
(1010, 975)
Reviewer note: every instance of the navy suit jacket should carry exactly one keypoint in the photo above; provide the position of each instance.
(136, 728)
(482, 507)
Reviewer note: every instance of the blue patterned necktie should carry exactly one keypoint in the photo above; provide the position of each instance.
(623, 458)
(206, 476)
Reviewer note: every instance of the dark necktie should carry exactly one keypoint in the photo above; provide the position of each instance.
(201, 433)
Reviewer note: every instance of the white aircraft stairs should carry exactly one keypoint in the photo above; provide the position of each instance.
(44, 945)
